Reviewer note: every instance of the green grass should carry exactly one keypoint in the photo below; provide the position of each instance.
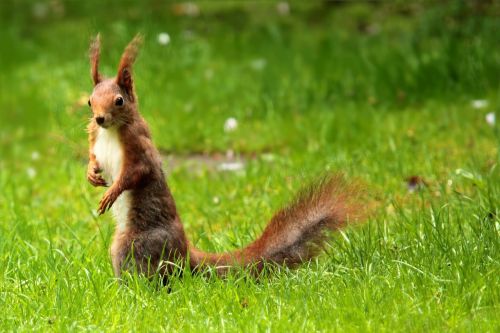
(381, 92)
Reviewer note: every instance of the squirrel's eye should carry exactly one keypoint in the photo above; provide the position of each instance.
(119, 101)
(88, 102)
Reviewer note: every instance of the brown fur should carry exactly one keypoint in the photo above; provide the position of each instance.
(94, 53)
(154, 234)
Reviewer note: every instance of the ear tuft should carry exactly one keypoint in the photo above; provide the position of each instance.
(124, 77)
(94, 53)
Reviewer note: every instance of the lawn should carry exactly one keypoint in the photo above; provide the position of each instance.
(400, 97)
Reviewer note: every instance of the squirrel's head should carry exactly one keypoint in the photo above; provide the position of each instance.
(113, 101)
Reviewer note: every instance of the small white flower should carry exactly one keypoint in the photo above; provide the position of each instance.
(216, 200)
(35, 155)
(230, 125)
(283, 8)
(479, 103)
(163, 38)
(31, 172)
(490, 118)
(258, 64)
(231, 166)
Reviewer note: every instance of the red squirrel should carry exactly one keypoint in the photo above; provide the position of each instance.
(149, 234)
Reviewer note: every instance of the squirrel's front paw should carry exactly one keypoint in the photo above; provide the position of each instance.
(107, 200)
(94, 177)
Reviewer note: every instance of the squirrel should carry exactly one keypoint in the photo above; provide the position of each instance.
(149, 234)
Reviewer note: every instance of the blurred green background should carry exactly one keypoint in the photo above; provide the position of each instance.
(247, 100)
(260, 62)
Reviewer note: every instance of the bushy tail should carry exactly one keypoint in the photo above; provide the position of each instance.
(297, 232)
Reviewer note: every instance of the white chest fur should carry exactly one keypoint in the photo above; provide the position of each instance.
(109, 154)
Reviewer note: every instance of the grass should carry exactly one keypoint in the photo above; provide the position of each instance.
(380, 91)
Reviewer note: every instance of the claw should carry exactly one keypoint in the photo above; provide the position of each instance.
(94, 174)
(96, 179)
(107, 201)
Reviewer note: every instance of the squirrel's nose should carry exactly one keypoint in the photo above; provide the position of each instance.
(99, 120)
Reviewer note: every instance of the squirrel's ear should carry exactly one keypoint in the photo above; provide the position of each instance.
(124, 77)
(95, 50)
